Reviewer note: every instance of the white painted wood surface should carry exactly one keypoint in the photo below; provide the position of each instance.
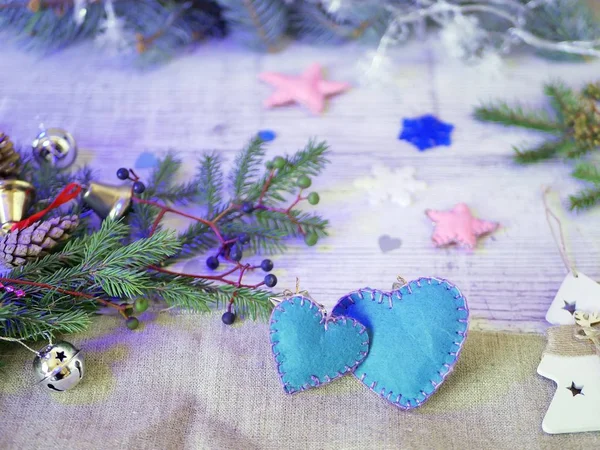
(210, 99)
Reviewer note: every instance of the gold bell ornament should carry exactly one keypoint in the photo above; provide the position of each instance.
(108, 201)
(16, 197)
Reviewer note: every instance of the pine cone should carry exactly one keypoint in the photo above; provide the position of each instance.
(10, 160)
(22, 246)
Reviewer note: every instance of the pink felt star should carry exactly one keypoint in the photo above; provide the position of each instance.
(458, 226)
(308, 89)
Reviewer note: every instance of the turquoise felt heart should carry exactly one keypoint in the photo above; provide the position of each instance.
(416, 335)
(310, 348)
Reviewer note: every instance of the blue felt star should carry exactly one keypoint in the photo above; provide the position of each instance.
(425, 132)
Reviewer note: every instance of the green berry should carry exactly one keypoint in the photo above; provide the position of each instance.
(279, 162)
(311, 239)
(304, 182)
(269, 165)
(132, 323)
(140, 305)
(313, 198)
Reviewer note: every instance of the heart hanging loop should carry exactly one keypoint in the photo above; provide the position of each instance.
(399, 283)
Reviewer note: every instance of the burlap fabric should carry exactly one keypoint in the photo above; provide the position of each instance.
(191, 382)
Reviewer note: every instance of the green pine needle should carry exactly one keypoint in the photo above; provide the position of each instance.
(251, 303)
(141, 219)
(246, 168)
(544, 151)
(309, 161)
(144, 252)
(502, 113)
(585, 199)
(587, 172)
(310, 223)
(562, 98)
(210, 178)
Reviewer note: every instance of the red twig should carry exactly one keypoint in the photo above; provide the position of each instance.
(266, 187)
(225, 244)
(63, 291)
(165, 209)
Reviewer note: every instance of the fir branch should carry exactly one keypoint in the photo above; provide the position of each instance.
(310, 22)
(502, 113)
(210, 178)
(163, 175)
(28, 322)
(261, 24)
(100, 244)
(563, 99)
(263, 239)
(309, 161)
(585, 199)
(141, 219)
(181, 194)
(196, 239)
(142, 253)
(49, 28)
(563, 21)
(120, 282)
(246, 168)
(587, 172)
(544, 151)
(297, 224)
(162, 186)
(578, 130)
(185, 293)
(254, 304)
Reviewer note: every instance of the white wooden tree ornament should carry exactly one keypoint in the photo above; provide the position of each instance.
(576, 403)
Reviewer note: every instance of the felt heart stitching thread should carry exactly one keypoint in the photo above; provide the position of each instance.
(310, 348)
(416, 334)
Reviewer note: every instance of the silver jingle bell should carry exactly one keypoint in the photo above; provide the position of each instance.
(59, 366)
(56, 147)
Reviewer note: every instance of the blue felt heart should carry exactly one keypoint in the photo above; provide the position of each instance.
(311, 349)
(146, 160)
(416, 335)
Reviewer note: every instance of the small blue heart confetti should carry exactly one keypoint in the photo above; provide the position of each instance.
(388, 243)
(266, 135)
(426, 132)
(146, 160)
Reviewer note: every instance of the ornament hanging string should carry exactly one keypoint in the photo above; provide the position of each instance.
(70, 192)
(19, 341)
(560, 238)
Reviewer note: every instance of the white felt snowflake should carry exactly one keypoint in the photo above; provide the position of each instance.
(396, 186)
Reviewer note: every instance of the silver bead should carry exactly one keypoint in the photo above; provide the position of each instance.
(56, 147)
(59, 366)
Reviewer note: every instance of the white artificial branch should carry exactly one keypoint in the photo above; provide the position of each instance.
(402, 18)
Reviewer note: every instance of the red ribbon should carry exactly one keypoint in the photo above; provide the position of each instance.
(70, 191)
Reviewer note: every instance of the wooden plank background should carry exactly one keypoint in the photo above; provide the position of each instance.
(211, 99)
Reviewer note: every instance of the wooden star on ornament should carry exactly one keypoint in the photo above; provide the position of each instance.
(458, 226)
(308, 89)
(570, 307)
(575, 390)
